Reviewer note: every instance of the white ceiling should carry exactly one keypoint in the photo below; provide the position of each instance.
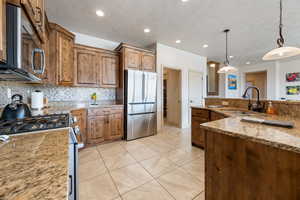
(253, 24)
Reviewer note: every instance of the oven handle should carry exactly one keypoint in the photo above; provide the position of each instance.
(43, 62)
(71, 185)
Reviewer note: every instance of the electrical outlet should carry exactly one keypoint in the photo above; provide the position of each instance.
(225, 103)
(8, 93)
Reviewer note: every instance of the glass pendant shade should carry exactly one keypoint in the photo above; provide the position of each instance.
(227, 69)
(282, 52)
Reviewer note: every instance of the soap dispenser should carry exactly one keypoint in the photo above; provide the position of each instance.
(270, 109)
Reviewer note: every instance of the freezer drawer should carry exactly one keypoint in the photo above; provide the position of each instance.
(136, 108)
(140, 125)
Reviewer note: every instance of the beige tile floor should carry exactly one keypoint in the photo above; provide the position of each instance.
(160, 167)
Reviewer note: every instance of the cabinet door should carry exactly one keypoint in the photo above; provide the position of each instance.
(132, 59)
(3, 31)
(97, 126)
(198, 134)
(85, 67)
(65, 60)
(81, 123)
(148, 62)
(109, 71)
(116, 126)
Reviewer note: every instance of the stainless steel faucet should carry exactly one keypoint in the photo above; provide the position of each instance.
(258, 107)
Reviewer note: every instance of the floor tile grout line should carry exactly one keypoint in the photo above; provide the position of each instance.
(159, 182)
(198, 195)
(110, 175)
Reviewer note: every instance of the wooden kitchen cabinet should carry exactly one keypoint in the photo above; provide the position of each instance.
(109, 71)
(136, 58)
(35, 10)
(115, 126)
(97, 126)
(86, 66)
(216, 116)
(3, 31)
(199, 116)
(148, 62)
(62, 55)
(104, 124)
(81, 123)
(132, 59)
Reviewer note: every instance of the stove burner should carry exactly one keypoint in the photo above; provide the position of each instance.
(34, 124)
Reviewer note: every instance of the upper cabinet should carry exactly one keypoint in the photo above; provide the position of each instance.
(3, 31)
(109, 70)
(95, 67)
(35, 10)
(132, 59)
(148, 62)
(137, 58)
(62, 54)
(86, 66)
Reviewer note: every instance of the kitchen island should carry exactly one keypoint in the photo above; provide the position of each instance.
(35, 166)
(246, 161)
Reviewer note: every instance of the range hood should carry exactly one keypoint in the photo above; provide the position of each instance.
(19, 29)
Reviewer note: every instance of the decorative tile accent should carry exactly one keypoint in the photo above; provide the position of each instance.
(54, 93)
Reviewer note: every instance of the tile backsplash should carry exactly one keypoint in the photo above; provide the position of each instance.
(53, 93)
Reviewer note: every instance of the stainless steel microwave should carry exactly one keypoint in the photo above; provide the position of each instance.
(25, 57)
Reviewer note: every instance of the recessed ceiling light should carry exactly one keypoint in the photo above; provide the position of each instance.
(147, 30)
(205, 45)
(248, 63)
(184, 0)
(178, 41)
(231, 56)
(100, 13)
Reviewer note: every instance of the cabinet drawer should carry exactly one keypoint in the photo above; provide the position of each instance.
(216, 116)
(98, 111)
(200, 113)
(199, 120)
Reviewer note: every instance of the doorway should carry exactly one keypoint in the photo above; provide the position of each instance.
(172, 97)
(259, 80)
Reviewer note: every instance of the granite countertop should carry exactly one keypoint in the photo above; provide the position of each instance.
(35, 166)
(284, 138)
(67, 107)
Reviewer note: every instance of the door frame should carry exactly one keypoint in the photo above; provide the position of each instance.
(180, 93)
(244, 80)
(203, 91)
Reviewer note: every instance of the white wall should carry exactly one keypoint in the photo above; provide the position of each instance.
(184, 61)
(288, 67)
(276, 83)
(95, 42)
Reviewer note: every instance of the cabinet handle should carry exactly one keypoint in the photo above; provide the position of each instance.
(71, 185)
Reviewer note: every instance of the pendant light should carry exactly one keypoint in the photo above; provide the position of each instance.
(281, 52)
(227, 68)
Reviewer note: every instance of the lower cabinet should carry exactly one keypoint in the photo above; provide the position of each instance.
(104, 125)
(79, 118)
(200, 116)
(97, 126)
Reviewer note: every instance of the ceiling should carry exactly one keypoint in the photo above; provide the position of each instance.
(253, 24)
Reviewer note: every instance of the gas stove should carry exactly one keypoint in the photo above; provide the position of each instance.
(37, 123)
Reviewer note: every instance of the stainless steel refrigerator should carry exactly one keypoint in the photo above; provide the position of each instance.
(140, 104)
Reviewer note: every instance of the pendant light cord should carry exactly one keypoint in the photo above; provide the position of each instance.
(227, 61)
(280, 41)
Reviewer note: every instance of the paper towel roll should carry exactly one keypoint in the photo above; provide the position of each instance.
(37, 100)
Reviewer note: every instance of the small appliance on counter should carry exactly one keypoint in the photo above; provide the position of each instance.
(16, 110)
(37, 100)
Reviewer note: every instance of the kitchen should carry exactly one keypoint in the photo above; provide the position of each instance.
(83, 117)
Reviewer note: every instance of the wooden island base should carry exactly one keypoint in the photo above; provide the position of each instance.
(240, 169)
